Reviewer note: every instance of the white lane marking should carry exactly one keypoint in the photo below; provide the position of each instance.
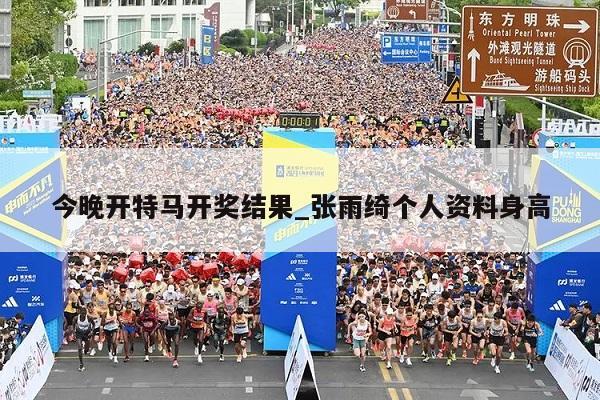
(540, 383)
(249, 390)
(110, 379)
(471, 382)
(106, 391)
(249, 379)
(547, 394)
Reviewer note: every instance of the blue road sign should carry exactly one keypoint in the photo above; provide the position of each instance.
(403, 49)
(443, 44)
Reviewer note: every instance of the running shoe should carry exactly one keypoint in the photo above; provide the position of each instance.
(389, 365)
(221, 358)
(497, 369)
(92, 352)
(126, 359)
(199, 358)
(185, 337)
(65, 341)
(81, 368)
(110, 356)
(531, 368)
(203, 348)
(493, 362)
(426, 359)
(100, 345)
(453, 356)
(147, 358)
(362, 368)
(449, 362)
(239, 359)
(423, 354)
(115, 360)
(512, 355)
(433, 355)
(196, 351)
(175, 364)
(225, 341)
(440, 354)
(475, 361)
(401, 358)
(151, 349)
(408, 362)
(244, 353)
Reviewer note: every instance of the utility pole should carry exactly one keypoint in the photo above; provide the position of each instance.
(293, 30)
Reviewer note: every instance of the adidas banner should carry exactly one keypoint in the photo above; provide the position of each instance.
(571, 364)
(27, 370)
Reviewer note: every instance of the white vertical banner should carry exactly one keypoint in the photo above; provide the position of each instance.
(567, 360)
(26, 372)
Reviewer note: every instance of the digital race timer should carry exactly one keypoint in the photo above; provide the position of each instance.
(288, 120)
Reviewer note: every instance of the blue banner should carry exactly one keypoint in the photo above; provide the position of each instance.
(208, 44)
(404, 49)
(33, 272)
(298, 272)
(443, 42)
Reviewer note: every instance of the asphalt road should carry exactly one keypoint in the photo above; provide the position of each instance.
(261, 377)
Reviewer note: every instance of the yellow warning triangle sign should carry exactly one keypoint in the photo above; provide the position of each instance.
(454, 95)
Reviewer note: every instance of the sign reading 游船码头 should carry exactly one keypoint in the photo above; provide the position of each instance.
(525, 51)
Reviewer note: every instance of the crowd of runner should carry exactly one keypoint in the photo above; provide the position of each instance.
(395, 304)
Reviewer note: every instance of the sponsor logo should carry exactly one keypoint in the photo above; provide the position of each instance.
(567, 209)
(558, 306)
(22, 278)
(279, 171)
(291, 277)
(10, 303)
(36, 301)
(575, 282)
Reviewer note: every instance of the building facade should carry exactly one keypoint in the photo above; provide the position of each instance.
(97, 20)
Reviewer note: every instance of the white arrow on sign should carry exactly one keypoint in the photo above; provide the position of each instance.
(478, 394)
(582, 26)
(413, 13)
(473, 56)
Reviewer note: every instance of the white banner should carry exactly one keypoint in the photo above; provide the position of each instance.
(574, 368)
(27, 370)
(296, 359)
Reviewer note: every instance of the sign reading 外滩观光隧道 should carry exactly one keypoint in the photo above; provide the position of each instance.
(525, 51)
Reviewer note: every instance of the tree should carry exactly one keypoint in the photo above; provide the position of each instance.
(176, 47)
(33, 24)
(235, 39)
(336, 5)
(146, 48)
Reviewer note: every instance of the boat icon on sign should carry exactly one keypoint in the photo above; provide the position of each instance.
(501, 81)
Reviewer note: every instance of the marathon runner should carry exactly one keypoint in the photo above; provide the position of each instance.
(84, 329)
(428, 327)
(387, 332)
(172, 337)
(498, 331)
(408, 329)
(360, 330)
(477, 331)
(111, 330)
(148, 325)
(531, 331)
(239, 324)
(128, 323)
(220, 324)
(197, 322)
(451, 328)
(515, 316)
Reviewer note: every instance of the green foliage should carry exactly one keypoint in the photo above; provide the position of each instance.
(234, 38)
(67, 61)
(36, 73)
(17, 105)
(146, 48)
(262, 38)
(531, 111)
(33, 24)
(227, 50)
(591, 107)
(66, 87)
(177, 46)
(335, 5)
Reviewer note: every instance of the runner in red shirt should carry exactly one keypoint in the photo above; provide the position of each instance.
(148, 324)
